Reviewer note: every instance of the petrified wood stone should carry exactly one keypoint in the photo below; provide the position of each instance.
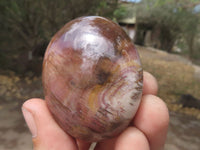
(92, 78)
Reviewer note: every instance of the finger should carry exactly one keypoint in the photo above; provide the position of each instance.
(150, 85)
(130, 139)
(152, 118)
(47, 135)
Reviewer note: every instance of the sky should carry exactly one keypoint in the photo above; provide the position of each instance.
(132, 0)
(197, 8)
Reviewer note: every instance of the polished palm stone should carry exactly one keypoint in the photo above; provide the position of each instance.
(92, 78)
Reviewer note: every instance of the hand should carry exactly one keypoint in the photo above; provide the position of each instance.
(147, 130)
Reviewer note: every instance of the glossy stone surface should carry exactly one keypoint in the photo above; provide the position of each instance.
(92, 78)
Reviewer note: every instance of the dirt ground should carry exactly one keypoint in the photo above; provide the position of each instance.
(183, 134)
(14, 134)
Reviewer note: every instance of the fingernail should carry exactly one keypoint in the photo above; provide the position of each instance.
(30, 121)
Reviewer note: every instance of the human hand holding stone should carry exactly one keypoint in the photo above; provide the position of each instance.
(147, 130)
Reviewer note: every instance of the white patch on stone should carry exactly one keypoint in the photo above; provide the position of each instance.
(121, 100)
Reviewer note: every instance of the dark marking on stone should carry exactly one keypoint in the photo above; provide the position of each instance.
(131, 104)
(135, 96)
(102, 77)
(115, 125)
(108, 112)
(103, 70)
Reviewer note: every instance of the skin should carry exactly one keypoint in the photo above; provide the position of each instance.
(147, 130)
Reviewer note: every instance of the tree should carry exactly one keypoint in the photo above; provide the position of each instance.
(34, 21)
(30, 24)
(170, 18)
(190, 29)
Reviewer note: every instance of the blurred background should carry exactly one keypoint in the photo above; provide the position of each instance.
(166, 34)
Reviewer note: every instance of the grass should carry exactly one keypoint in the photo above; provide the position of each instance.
(175, 77)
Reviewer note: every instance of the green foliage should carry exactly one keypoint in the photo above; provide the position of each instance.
(125, 10)
(106, 8)
(34, 21)
(120, 12)
(29, 23)
(175, 19)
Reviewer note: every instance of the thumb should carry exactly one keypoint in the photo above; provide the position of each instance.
(46, 134)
